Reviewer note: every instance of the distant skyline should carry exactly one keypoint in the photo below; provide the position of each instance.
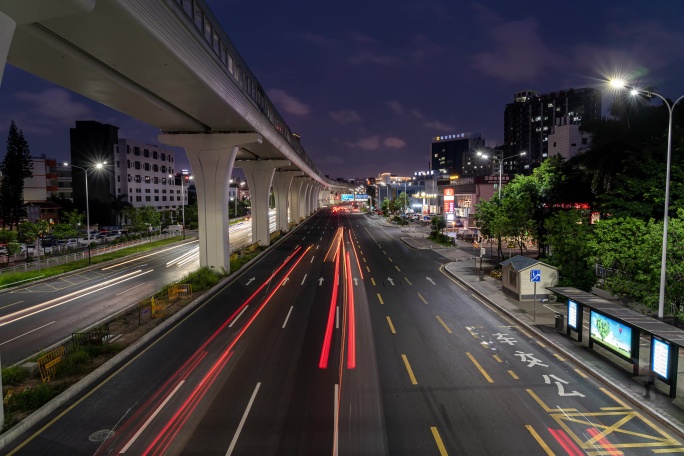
(367, 85)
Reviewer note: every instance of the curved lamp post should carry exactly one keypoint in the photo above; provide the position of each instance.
(617, 83)
(85, 172)
(500, 159)
(182, 198)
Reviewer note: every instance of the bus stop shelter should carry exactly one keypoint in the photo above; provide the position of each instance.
(617, 329)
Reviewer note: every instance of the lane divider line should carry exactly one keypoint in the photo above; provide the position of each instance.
(438, 441)
(380, 298)
(410, 371)
(443, 324)
(539, 440)
(389, 321)
(480, 368)
(288, 316)
(242, 421)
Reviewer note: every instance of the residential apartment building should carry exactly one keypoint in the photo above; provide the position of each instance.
(531, 118)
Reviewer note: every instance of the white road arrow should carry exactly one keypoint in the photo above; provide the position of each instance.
(251, 280)
(320, 281)
(430, 280)
(356, 281)
(559, 384)
(389, 279)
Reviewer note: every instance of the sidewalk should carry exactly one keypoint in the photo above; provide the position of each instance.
(539, 319)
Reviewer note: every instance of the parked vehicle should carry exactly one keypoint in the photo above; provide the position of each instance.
(173, 229)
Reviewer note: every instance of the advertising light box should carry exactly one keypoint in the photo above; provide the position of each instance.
(660, 358)
(614, 336)
(346, 197)
(572, 314)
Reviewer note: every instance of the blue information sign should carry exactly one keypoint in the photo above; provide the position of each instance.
(535, 275)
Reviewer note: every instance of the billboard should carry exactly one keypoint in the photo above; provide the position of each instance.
(611, 334)
(572, 314)
(660, 358)
(349, 197)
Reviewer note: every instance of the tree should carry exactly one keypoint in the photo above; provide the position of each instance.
(568, 236)
(492, 221)
(9, 239)
(603, 327)
(15, 168)
(118, 204)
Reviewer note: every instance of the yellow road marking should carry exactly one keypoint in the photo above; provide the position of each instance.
(408, 368)
(615, 398)
(443, 324)
(422, 298)
(438, 441)
(372, 281)
(582, 374)
(560, 358)
(482, 371)
(612, 408)
(669, 450)
(539, 440)
(448, 276)
(546, 407)
(604, 452)
(380, 298)
(367, 269)
(541, 345)
(408, 281)
(513, 375)
(499, 360)
(364, 259)
(398, 268)
(390, 259)
(391, 325)
(471, 332)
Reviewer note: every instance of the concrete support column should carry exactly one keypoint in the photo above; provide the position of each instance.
(312, 198)
(211, 158)
(282, 182)
(259, 175)
(304, 198)
(295, 190)
(13, 12)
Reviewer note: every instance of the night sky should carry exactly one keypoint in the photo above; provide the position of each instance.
(367, 84)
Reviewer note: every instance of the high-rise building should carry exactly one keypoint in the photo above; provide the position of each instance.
(530, 119)
(141, 174)
(449, 153)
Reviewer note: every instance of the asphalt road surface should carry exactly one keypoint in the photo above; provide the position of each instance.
(342, 340)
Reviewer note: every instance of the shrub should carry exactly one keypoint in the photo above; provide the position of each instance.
(13, 375)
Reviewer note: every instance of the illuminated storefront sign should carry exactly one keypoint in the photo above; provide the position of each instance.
(572, 314)
(448, 200)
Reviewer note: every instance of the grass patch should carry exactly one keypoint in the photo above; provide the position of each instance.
(7, 279)
(13, 375)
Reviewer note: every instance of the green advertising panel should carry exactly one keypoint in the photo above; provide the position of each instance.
(611, 334)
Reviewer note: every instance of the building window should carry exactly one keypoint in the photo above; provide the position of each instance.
(128, 163)
(155, 154)
(117, 163)
(138, 178)
(163, 168)
(137, 165)
(136, 151)
(147, 198)
(118, 178)
(138, 199)
(156, 198)
(163, 191)
(156, 180)
(146, 166)
(170, 198)
(128, 149)
(163, 156)
(147, 190)
(163, 181)
(137, 190)
(147, 179)
(156, 190)
(155, 168)
(146, 153)
(163, 198)
(129, 178)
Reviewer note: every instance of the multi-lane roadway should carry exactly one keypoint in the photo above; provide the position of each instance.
(342, 340)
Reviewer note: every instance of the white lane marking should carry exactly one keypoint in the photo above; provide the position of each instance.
(181, 258)
(7, 319)
(26, 333)
(149, 420)
(145, 256)
(304, 279)
(337, 318)
(126, 291)
(312, 258)
(288, 316)
(236, 318)
(242, 421)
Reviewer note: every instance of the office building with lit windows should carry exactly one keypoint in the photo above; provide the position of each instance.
(134, 172)
(449, 153)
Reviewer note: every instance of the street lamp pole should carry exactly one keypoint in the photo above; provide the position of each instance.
(663, 258)
(500, 160)
(85, 172)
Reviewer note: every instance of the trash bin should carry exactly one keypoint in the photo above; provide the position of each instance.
(560, 322)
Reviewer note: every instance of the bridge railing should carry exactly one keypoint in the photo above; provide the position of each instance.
(198, 13)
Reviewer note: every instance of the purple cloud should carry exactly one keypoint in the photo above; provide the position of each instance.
(288, 103)
(345, 116)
